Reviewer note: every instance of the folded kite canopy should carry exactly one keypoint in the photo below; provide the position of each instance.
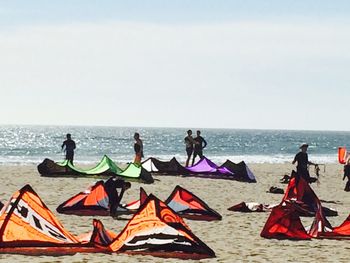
(301, 191)
(157, 230)
(184, 203)
(172, 167)
(203, 168)
(241, 171)
(93, 201)
(106, 167)
(300, 199)
(27, 226)
(96, 200)
(136, 172)
(190, 206)
(205, 165)
(251, 207)
(284, 223)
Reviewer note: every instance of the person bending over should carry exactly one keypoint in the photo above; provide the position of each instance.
(112, 185)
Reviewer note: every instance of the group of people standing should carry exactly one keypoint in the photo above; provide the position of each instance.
(195, 146)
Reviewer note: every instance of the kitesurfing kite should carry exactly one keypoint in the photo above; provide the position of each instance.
(27, 226)
(190, 206)
(204, 168)
(157, 230)
(184, 203)
(98, 199)
(343, 155)
(299, 199)
(106, 167)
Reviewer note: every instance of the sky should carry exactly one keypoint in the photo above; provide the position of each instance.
(200, 64)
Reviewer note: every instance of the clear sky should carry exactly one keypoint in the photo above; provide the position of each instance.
(222, 64)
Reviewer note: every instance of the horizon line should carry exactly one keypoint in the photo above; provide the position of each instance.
(172, 127)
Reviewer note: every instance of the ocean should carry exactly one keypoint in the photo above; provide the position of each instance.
(31, 144)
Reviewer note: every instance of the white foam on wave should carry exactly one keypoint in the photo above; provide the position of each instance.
(16, 160)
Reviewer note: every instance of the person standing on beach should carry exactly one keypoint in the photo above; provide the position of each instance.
(138, 148)
(303, 162)
(189, 142)
(347, 174)
(69, 147)
(200, 144)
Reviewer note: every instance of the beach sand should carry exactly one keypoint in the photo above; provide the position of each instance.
(234, 239)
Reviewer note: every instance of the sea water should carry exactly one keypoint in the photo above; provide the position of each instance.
(31, 144)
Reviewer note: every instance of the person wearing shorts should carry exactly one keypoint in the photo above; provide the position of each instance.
(189, 142)
(138, 148)
(200, 144)
(69, 147)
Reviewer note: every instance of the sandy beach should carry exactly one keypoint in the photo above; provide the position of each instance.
(234, 239)
(103, 84)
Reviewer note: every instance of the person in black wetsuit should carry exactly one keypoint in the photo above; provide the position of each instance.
(69, 147)
(200, 144)
(111, 186)
(347, 174)
(303, 161)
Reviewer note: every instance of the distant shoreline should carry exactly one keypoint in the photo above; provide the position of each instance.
(32, 144)
(170, 127)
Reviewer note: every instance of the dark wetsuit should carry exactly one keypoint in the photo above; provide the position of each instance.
(302, 159)
(198, 148)
(70, 146)
(189, 145)
(114, 197)
(347, 174)
(137, 148)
